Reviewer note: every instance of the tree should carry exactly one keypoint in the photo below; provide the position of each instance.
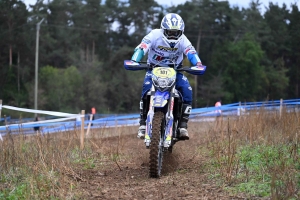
(61, 89)
(276, 49)
(13, 21)
(293, 57)
(124, 87)
(243, 75)
(13, 15)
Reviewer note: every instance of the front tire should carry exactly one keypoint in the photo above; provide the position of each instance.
(156, 148)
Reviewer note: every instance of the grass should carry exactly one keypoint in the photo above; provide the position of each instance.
(256, 155)
(259, 156)
(49, 166)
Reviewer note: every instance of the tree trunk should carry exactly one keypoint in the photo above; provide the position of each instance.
(10, 55)
(87, 53)
(93, 52)
(18, 72)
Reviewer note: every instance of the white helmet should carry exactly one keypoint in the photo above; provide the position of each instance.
(173, 27)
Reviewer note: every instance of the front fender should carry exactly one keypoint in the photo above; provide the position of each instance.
(160, 99)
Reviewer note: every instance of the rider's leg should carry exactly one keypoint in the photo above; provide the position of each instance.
(185, 89)
(143, 109)
(186, 111)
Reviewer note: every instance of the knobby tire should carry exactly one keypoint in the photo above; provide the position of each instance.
(155, 164)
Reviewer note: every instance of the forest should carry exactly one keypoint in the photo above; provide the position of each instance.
(250, 55)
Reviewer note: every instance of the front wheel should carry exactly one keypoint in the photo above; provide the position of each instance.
(156, 147)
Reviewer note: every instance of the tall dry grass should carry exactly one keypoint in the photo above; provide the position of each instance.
(261, 147)
(43, 166)
(51, 165)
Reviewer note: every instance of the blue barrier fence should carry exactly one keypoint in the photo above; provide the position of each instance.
(114, 120)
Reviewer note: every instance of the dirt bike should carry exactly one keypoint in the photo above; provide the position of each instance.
(165, 110)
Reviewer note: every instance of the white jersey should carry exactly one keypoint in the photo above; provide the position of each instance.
(162, 52)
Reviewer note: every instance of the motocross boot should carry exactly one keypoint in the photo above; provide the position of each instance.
(186, 111)
(143, 117)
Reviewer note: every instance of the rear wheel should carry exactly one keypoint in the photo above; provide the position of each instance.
(156, 147)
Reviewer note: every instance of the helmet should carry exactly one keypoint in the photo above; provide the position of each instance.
(173, 27)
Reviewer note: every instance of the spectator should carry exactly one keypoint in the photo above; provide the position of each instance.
(36, 128)
(218, 112)
(93, 113)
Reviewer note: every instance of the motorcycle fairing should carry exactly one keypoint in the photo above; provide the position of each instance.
(160, 98)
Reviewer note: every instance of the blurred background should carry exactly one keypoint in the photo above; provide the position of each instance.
(251, 49)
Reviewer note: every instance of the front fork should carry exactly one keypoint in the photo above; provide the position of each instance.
(148, 132)
(169, 122)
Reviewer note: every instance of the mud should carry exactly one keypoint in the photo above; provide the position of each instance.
(122, 169)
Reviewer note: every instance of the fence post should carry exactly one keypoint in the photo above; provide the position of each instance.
(0, 117)
(82, 130)
(0, 108)
(239, 109)
(280, 108)
(90, 122)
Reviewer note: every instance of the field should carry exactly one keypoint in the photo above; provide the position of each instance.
(252, 157)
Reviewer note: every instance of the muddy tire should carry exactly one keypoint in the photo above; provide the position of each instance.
(156, 151)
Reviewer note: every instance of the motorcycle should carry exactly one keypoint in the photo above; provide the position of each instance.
(164, 105)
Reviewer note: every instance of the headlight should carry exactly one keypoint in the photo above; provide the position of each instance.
(163, 82)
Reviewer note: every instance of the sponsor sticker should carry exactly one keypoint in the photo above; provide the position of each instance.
(146, 41)
(143, 45)
(158, 99)
(157, 52)
(158, 58)
(167, 48)
(187, 50)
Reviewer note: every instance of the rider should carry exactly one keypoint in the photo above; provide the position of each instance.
(166, 46)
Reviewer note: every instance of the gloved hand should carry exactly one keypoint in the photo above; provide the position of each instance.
(199, 64)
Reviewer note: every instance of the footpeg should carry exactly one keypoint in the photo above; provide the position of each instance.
(147, 143)
(167, 143)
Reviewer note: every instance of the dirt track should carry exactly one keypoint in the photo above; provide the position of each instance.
(184, 173)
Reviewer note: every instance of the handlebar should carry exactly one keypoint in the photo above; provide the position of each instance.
(134, 66)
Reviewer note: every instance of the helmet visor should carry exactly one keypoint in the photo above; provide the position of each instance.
(172, 34)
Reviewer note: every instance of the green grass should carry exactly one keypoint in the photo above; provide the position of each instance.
(260, 170)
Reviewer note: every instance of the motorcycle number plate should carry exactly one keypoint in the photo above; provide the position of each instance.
(164, 72)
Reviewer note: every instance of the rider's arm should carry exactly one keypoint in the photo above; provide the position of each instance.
(191, 53)
(142, 48)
